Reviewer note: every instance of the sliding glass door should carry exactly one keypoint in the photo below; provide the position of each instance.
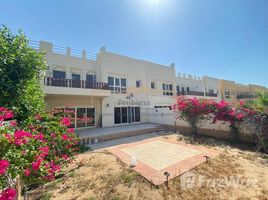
(123, 115)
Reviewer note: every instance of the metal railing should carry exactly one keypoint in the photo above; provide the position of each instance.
(64, 51)
(196, 93)
(62, 82)
(211, 95)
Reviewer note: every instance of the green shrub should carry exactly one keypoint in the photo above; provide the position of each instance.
(20, 72)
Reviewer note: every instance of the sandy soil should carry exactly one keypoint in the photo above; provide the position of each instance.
(237, 173)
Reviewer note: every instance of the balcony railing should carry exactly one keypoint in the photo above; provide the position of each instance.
(196, 93)
(190, 93)
(62, 82)
(211, 95)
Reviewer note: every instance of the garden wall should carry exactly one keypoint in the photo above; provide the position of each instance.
(219, 129)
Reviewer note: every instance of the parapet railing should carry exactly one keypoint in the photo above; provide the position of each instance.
(65, 51)
(70, 83)
(196, 93)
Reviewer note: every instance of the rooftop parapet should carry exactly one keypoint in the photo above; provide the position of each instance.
(52, 48)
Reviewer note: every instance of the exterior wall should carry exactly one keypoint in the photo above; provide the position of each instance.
(65, 61)
(134, 70)
(211, 83)
(238, 90)
(111, 64)
(61, 101)
(193, 83)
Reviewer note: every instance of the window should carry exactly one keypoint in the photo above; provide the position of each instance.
(138, 84)
(117, 85)
(152, 85)
(227, 94)
(58, 74)
(76, 80)
(124, 115)
(187, 90)
(210, 91)
(178, 90)
(90, 80)
(167, 89)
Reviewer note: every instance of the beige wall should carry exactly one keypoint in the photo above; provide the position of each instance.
(53, 101)
(133, 69)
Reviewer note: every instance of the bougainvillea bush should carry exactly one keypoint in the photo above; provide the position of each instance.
(35, 154)
(194, 111)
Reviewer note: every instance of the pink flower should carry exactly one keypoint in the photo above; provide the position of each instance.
(27, 172)
(4, 164)
(65, 157)
(64, 137)
(45, 151)
(8, 115)
(13, 123)
(38, 116)
(53, 135)
(8, 194)
(36, 165)
(21, 137)
(65, 121)
(70, 130)
(40, 137)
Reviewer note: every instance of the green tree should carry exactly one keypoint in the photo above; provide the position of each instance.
(20, 70)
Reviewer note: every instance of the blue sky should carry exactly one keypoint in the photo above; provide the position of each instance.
(226, 39)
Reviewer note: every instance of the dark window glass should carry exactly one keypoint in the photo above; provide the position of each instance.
(178, 89)
(138, 84)
(91, 78)
(187, 89)
(170, 87)
(123, 82)
(164, 86)
(117, 81)
(90, 117)
(76, 76)
(152, 85)
(110, 81)
(58, 74)
(137, 114)
(80, 117)
(124, 114)
(117, 115)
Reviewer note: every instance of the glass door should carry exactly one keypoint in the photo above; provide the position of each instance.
(80, 117)
(90, 120)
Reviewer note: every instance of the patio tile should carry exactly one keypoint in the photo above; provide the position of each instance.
(156, 156)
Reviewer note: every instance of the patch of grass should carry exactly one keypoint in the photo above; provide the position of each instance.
(83, 148)
(128, 177)
(116, 198)
(45, 196)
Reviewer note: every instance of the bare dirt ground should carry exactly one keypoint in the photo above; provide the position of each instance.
(238, 173)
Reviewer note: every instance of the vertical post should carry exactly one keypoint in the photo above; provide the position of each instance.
(68, 51)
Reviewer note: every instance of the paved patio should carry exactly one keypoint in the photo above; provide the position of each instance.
(157, 155)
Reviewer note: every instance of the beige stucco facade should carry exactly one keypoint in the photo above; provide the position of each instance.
(121, 89)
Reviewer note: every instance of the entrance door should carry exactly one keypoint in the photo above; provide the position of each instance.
(124, 115)
(80, 117)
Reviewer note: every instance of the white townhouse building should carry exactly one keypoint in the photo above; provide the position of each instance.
(110, 89)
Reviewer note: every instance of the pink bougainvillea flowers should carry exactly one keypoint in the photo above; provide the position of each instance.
(8, 194)
(4, 164)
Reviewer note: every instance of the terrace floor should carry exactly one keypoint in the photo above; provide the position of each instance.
(156, 156)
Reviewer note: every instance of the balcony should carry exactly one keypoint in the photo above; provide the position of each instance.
(193, 93)
(211, 95)
(75, 87)
(196, 93)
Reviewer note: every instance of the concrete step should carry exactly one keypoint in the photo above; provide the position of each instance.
(123, 134)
